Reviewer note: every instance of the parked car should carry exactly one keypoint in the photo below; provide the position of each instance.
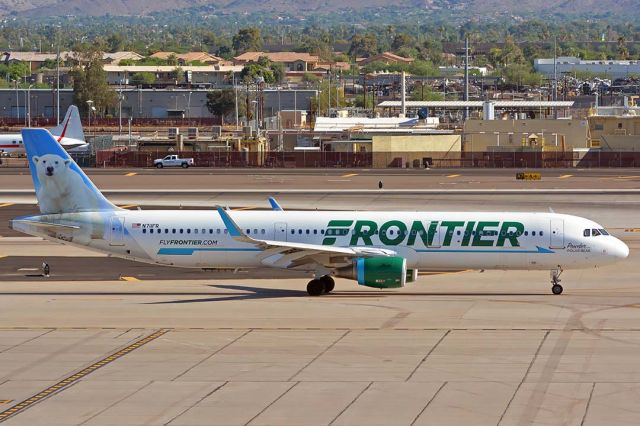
(173, 161)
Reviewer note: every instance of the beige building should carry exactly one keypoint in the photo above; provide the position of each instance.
(615, 132)
(416, 150)
(516, 135)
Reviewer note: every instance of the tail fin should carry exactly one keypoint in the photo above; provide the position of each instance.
(70, 127)
(61, 186)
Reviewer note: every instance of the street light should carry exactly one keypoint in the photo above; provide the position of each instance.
(90, 103)
(29, 105)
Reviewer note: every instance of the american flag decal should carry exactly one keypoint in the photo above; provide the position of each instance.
(136, 225)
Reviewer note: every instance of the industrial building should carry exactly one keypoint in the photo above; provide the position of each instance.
(144, 103)
(569, 64)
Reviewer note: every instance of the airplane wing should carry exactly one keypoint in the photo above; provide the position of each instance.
(290, 255)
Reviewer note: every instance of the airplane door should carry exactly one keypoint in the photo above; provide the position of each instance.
(116, 231)
(556, 234)
(280, 231)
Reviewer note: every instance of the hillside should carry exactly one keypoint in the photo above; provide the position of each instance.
(454, 7)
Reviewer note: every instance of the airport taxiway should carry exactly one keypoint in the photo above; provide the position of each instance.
(104, 341)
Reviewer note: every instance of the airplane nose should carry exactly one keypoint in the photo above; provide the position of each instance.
(620, 250)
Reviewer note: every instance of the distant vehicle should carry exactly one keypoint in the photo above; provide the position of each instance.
(173, 161)
(68, 133)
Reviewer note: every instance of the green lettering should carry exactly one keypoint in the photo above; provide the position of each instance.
(467, 233)
(433, 228)
(510, 231)
(480, 231)
(363, 229)
(334, 228)
(451, 226)
(395, 239)
(417, 229)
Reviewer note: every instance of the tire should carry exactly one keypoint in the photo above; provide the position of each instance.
(159, 166)
(329, 283)
(556, 289)
(315, 288)
(185, 165)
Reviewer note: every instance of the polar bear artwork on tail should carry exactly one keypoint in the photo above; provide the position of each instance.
(61, 188)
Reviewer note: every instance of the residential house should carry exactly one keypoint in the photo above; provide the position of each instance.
(189, 57)
(210, 75)
(292, 61)
(387, 58)
(115, 57)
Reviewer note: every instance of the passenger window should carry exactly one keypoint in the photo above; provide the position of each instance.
(308, 232)
(322, 231)
(248, 231)
(210, 231)
(255, 231)
(526, 233)
(300, 231)
(293, 231)
(541, 233)
(533, 233)
(151, 230)
(173, 231)
(587, 232)
(195, 231)
(595, 232)
(263, 232)
(181, 230)
(144, 231)
(315, 232)
(218, 231)
(204, 231)
(166, 230)
(189, 231)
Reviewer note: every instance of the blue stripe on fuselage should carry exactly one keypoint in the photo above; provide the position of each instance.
(190, 251)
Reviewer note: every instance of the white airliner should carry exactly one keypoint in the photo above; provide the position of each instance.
(378, 249)
(69, 134)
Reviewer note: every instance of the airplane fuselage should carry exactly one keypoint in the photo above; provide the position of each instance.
(427, 240)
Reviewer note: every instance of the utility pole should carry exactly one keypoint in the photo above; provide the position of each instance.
(466, 76)
(58, 81)
(555, 76)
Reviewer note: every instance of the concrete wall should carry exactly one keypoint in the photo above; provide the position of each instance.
(479, 135)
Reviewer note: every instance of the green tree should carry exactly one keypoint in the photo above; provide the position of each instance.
(363, 45)
(221, 102)
(424, 92)
(320, 103)
(271, 72)
(143, 79)
(90, 83)
(247, 39)
(521, 75)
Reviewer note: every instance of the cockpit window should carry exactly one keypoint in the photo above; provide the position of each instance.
(603, 232)
(595, 232)
(587, 232)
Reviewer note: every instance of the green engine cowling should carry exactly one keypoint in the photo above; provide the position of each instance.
(377, 272)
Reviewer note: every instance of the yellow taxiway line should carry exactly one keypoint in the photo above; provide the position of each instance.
(6, 204)
(130, 279)
(565, 176)
(349, 175)
(131, 174)
(69, 380)
(453, 176)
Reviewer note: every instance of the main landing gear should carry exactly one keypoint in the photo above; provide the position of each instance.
(556, 288)
(320, 286)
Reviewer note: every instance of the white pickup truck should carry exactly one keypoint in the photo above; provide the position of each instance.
(173, 161)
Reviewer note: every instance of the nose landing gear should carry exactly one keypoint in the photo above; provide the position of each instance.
(556, 288)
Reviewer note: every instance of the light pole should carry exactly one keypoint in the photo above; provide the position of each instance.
(17, 100)
(29, 105)
(90, 103)
(189, 106)
(256, 117)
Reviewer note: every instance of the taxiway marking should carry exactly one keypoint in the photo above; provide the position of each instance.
(6, 204)
(130, 279)
(69, 380)
(565, 176)
(349, 175)
(131, 174)
(453, 176)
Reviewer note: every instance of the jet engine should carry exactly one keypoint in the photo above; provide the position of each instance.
(377, 272)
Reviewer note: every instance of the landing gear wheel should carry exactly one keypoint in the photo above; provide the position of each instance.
(556, 289)
(329, 283)
(315, 287)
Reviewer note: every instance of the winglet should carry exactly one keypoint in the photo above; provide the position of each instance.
(232, 227)
(274, 204)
